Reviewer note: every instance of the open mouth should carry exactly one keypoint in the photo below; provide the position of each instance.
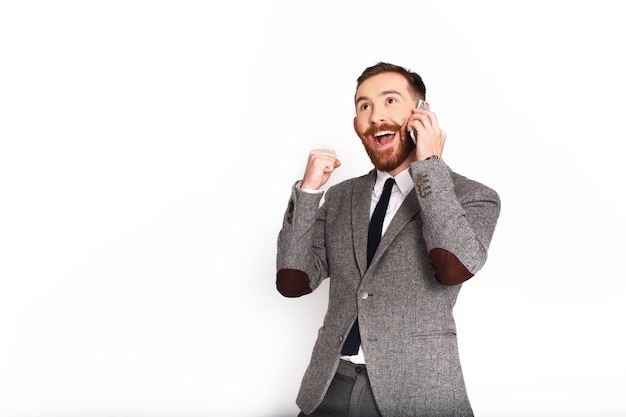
(384, 137)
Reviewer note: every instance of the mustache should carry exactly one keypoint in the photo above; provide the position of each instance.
(372, 130)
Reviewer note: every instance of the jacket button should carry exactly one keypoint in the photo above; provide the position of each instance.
(363, 294)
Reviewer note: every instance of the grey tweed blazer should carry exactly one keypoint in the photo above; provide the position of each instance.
(403, 302)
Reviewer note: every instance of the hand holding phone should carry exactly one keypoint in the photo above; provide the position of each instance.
(420, 105)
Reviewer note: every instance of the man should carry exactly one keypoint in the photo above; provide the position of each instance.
(388, 344)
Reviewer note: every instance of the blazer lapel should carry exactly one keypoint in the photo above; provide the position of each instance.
(407, 212)
(361, 202)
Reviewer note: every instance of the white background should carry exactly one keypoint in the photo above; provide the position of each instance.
(146, 158)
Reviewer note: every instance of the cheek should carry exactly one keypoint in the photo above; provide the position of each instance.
(401, 115)
(361, 127)
(402, 119)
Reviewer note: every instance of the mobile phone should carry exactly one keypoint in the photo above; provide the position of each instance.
(420, 105)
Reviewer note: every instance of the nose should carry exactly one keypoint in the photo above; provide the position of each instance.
(377, 116)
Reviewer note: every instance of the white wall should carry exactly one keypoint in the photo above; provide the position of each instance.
(126, 289)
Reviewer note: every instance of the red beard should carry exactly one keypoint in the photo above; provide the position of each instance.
(388, 159)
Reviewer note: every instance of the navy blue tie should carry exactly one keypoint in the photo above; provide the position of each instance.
(353, 341)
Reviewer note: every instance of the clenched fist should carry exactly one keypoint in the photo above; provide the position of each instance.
(319, 167)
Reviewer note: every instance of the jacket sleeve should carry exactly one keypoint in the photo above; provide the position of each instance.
(301, 256)
(459, 218)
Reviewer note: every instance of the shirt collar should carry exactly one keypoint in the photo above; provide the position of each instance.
(404, 182)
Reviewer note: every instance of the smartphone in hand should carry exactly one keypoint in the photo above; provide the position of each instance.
(420, 105)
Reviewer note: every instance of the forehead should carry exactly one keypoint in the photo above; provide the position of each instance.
(382, 84)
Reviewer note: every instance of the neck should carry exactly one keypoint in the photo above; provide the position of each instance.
(404, 165)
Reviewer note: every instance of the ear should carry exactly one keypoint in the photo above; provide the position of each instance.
(427, 104)
(354, 125)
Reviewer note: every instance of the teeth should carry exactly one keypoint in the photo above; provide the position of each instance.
(384, 132)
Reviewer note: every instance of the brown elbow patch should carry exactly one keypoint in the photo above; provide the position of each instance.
(448, 269)
(292, 283)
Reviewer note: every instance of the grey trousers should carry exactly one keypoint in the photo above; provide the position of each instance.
(349, 394)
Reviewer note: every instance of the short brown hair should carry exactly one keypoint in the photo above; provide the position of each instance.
(413, 78)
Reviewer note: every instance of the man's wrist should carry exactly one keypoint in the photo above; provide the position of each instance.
(307, 190)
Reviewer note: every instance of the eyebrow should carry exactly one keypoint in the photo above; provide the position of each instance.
(384, 93)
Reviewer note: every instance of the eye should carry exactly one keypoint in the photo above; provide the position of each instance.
(391, 100)
(364, 106)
